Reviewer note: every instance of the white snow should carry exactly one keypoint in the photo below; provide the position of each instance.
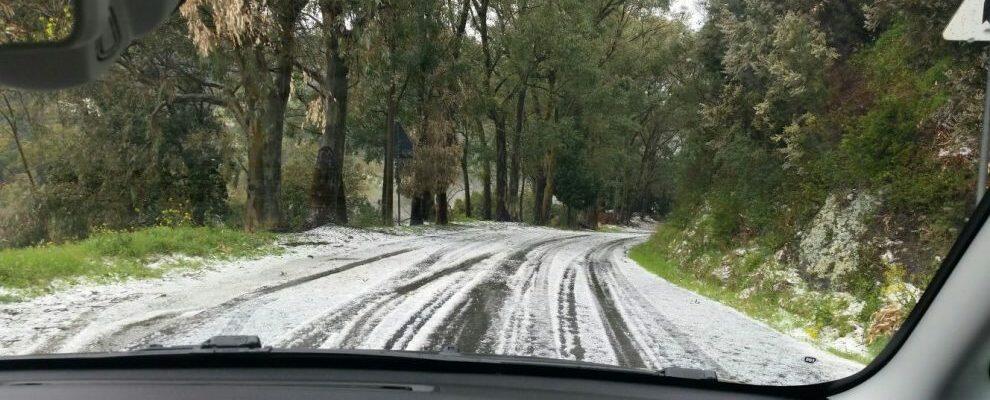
(334, 288)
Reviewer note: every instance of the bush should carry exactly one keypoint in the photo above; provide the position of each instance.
(20, 220)
(122, 254)
(362, 214)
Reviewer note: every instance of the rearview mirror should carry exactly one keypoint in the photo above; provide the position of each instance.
(55, 44)
(36, 22)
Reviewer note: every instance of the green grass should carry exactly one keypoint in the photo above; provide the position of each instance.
(649, 255)
(116, 255)
(759, 305)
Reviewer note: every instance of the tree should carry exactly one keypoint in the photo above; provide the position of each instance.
(492, 55)
(341, 25)
(257, 40)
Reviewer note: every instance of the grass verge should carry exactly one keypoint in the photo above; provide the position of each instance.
(117, 255)
(650, 257)
(761, 305)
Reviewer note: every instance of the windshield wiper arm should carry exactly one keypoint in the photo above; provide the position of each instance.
(251, 344)
(690, 373)
(237, 343)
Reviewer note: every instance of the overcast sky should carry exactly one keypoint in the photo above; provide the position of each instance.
(692, 8)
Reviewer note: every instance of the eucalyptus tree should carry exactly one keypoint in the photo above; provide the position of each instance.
(252, 44)
(487, 16)
(340, 25)
(440, 30)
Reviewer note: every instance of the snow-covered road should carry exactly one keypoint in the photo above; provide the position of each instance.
(492, 289)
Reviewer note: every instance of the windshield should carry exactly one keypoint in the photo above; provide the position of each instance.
(757, 188)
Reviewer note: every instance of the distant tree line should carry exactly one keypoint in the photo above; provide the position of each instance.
(265, 114)
(285, 114)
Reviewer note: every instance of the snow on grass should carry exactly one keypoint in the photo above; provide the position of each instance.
(540, 314)
(27, 326)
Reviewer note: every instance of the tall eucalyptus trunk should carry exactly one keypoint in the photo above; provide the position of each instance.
(328, 203)
(486, 176)
(514, 190)
(466, 176)
(264, 121)
(501, 171)
(388, 173)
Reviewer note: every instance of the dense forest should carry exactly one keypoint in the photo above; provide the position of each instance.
(817, 155)
(283, 115)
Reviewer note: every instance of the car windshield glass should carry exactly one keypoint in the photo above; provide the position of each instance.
(757, 189)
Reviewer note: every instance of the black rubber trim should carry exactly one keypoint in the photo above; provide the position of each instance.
(286, 359)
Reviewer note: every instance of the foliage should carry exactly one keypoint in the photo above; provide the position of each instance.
(118, 254)
(757, 285)
(807, 109)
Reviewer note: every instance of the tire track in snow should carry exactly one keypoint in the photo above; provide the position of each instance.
(55, 343)
(243, 309)
(473, 327)
(309, 278)
(618, 332)
(168, 326)
(349, 326)
(529, 315)
(354, 315)
(543, 293)
(400, 339)
(569, 333)
(640, 334)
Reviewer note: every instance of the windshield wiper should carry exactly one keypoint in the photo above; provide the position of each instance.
(252, 344)
(690, 373)
(235, 343)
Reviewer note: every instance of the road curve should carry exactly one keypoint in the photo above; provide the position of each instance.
(489, 289)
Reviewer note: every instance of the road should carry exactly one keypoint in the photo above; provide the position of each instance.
(490, 289)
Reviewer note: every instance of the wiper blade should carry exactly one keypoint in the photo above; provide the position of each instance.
(236, 343)
(252, 344)
(689, 373)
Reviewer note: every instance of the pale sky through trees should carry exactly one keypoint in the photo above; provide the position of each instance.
(694, 9)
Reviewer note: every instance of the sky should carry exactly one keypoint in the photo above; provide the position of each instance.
(693, 9)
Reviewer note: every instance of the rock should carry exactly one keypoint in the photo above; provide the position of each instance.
(830, 247)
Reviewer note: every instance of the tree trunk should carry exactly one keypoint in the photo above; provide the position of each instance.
(429, 206)
(593, 214)
(522, 194)
(388, 174)
(422, 208)
(486, 177)
(264, 176)
(467, 177)
(539, 185)
(398, 191)
(265, 127)
(514, 190)
(443, 209)
(501, 168)
(17, 141)
(327, 196)
(549, 162)
(416, 215)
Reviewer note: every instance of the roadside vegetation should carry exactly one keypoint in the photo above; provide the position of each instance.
(832, 167)
(753, 282)
(109, 255)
